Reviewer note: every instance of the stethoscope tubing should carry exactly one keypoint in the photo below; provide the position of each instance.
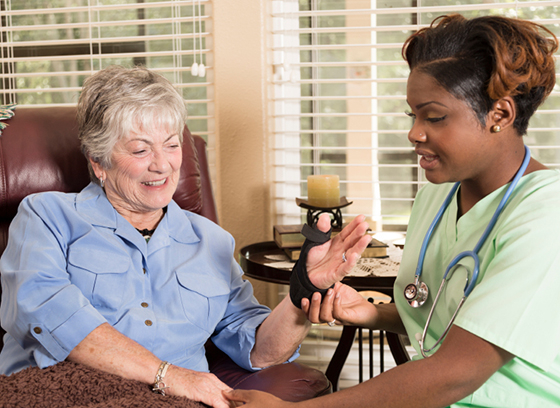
(470, 284)
(431, 229)
(447, 328)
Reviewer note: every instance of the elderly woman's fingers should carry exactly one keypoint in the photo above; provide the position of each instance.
(349, 234)
(330, 262)
(351, 243)
(355, 223)
(352, 234)
(352, 254)
(358, 247)
(346, 259)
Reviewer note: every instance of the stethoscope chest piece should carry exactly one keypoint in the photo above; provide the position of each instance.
(416, 293)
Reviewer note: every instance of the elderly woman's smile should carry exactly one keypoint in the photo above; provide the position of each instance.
(155, 183)
(144, 172)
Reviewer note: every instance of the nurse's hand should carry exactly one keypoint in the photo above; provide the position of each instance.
(342, 304)
(255, 399)
(326, 263)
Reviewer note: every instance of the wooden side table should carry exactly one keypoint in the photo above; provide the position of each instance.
(257, 262)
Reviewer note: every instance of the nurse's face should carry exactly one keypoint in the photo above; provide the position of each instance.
(451, 142)
(144, 173)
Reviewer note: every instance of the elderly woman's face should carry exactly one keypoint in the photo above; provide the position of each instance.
(144, 173)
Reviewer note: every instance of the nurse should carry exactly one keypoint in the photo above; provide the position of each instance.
(473, 86)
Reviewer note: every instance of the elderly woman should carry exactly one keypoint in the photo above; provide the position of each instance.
(119, 278)
(473, 86)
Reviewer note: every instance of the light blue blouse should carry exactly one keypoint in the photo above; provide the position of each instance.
(72, 263)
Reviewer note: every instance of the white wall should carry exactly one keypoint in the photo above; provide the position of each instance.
(244, 171)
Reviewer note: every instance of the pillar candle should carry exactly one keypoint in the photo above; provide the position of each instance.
(323, 190)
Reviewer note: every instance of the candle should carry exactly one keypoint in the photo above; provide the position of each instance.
(323, 190)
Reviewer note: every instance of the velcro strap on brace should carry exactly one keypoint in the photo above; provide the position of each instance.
(300, 284)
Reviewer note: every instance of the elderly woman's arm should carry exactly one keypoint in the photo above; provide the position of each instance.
(108, 350)
(279, 335)
(285, 328)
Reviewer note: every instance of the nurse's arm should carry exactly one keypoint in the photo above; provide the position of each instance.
(461, 365)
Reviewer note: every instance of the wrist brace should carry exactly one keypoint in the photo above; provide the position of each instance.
(300, 285)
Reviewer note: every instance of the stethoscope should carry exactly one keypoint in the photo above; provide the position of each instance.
(417, 293)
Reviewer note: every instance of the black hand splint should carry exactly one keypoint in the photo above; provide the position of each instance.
(300, 285)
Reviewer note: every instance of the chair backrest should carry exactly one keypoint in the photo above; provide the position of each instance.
(40, 151)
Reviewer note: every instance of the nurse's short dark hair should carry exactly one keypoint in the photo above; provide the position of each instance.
(487, 58)
(117, 101)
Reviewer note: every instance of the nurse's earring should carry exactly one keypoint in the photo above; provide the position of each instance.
(496, 129)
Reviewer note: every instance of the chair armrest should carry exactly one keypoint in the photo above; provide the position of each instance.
(290, 382)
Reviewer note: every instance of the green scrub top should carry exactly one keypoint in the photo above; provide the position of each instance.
(514, 304)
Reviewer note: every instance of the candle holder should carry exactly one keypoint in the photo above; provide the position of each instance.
(313, 212)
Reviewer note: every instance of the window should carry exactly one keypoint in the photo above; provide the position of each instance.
(339, 99)
(49, 47)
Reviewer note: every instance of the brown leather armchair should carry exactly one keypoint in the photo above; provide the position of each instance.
(39, 151)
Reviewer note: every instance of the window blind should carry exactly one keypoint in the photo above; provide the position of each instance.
(49, 47)
(340, 94)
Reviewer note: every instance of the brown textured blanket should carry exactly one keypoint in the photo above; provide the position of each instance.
(73, 385)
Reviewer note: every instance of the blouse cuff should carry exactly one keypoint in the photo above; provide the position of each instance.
(63, 339)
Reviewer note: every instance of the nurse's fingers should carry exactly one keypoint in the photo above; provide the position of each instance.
(326, 311)
(317, 311)
(337, 308)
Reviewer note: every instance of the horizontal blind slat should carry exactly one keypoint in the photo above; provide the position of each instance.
(440, 9)
(107, 40)
(80, 73)
(101, 56)
(99, 7)
(99, 24)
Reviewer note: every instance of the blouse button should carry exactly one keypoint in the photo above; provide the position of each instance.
(144, 270)
(148, 322)
(144, 304)
(37, 330)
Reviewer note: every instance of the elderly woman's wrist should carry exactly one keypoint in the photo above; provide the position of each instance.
(159, 384)
(300, 285)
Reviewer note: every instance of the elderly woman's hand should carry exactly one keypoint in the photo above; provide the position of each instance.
(197, 386)
(332, 261)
